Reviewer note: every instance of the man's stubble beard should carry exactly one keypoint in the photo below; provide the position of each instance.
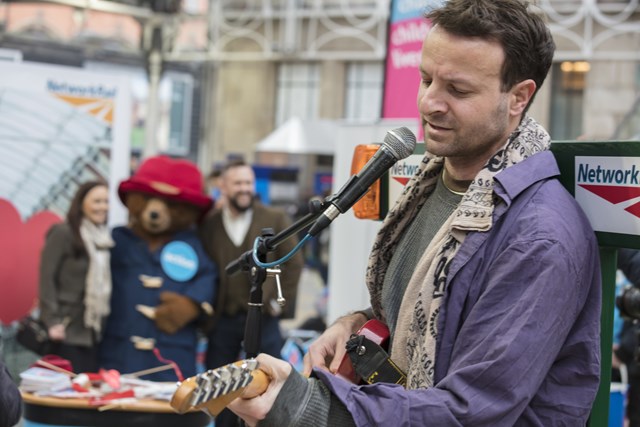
(483, 139)
(239, 208)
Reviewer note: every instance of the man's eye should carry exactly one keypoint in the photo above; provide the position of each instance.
(426, 82)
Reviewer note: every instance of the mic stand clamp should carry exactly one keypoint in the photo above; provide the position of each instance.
(275, 272)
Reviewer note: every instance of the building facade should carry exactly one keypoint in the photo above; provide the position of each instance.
(254, 64)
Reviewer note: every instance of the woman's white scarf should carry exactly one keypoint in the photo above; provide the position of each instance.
(416, 333)
(97, 295)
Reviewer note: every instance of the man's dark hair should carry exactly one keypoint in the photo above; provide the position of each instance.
(215, 173)
(522, 33)
(234, 163)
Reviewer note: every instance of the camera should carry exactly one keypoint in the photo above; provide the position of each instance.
(628, 302)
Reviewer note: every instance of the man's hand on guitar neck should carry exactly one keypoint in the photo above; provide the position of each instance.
(329, 348)
(255, 409)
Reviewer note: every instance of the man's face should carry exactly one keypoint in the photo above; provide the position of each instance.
(464, 114)
(238, 186)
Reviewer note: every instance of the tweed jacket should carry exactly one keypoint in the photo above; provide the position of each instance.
(233, 292)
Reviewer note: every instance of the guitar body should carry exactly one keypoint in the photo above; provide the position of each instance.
(377, 332)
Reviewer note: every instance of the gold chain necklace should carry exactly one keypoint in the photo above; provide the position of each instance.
(444, 182)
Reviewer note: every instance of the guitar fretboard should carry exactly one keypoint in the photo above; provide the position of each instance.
(218, 382)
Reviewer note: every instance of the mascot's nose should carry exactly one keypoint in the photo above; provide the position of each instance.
(154, 215)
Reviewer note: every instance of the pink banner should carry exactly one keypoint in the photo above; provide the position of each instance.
(402, 76)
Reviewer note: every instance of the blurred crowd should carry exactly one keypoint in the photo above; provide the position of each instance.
(149, 293)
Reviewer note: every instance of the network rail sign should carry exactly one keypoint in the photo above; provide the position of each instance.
(401, 173)
(608, 189)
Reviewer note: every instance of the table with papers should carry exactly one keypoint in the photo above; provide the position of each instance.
(51, 400)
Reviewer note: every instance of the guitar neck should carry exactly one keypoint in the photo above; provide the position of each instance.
(213, 390)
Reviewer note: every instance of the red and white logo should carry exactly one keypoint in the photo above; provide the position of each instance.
(400, 174)
(608, 190)
(403, 170)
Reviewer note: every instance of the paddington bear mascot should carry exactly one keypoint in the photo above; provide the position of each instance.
(163, 281)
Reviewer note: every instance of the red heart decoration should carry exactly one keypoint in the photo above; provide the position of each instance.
(20, 246)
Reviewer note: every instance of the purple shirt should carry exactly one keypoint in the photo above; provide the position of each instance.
(520, 324)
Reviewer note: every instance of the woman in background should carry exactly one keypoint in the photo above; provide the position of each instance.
(75, 278)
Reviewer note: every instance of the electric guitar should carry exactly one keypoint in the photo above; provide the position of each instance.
(213, 390)
(377, 332)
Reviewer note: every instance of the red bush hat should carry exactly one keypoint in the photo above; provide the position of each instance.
(173, 179)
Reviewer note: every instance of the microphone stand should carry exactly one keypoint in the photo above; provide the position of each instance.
(268, 242)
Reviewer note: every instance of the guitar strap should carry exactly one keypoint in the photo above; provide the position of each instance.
(372, 363)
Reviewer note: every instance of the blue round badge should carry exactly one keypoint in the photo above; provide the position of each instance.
(179, 261)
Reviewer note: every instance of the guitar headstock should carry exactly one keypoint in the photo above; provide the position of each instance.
(212, 390)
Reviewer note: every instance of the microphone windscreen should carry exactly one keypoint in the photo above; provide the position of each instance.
(401, 142)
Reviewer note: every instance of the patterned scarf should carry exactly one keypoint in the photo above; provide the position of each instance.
(416, 334)
(97, 295)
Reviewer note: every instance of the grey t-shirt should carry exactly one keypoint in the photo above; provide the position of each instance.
(413, 243)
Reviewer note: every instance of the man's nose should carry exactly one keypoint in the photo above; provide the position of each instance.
(432, 100)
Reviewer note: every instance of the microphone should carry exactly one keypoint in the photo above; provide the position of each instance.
(398, 144)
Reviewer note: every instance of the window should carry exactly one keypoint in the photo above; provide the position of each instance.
(297, 91)
(629, 126)
(567, 88)
(363, 100)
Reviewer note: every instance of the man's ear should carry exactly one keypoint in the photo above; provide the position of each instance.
(521, 94)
